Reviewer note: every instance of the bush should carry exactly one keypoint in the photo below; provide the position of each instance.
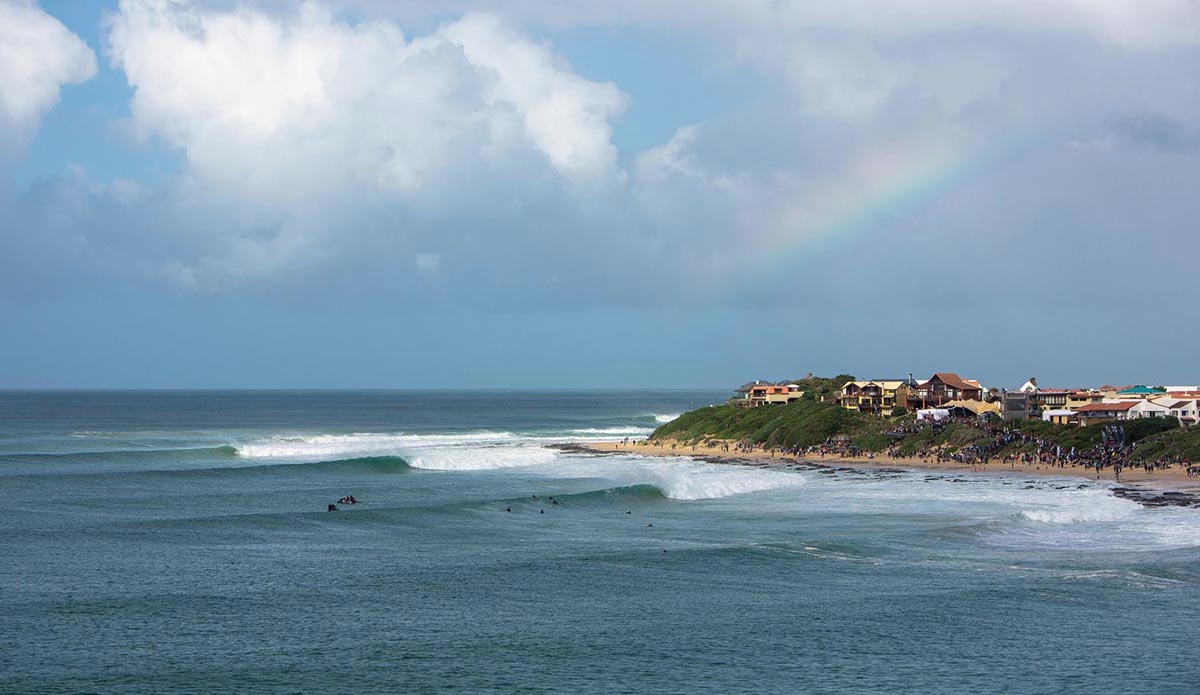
(802, 423)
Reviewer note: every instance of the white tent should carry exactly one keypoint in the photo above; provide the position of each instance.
(933, 414)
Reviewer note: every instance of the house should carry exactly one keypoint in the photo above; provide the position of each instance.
(1140, 391)
(1187, 411)
(1076, 399)
(1017, 405)
(1052, 399)
(1031, 401)
(943, 387)
(878, 396)
(1143, 409)
(1112, 410)
(758, 393)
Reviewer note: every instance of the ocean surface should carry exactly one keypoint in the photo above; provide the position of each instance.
(179, 542)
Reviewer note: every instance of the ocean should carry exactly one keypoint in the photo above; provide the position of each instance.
(179, 542)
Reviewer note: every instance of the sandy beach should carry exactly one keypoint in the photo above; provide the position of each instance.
(1174, 478)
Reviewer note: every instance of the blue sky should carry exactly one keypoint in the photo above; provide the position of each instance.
(375, 194)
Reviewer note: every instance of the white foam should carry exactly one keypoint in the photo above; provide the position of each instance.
(666, 418)
(327, 446)
(1092, 510)
(627, 431)
(1054, 513)
(679, 479)
(479, 458)
(696, 481)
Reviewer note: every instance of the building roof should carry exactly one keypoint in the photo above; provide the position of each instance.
(885, 383)
(954, 380)
(1139, 389)
(1105, 407)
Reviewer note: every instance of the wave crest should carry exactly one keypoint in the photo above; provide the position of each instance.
(357, 444)
(1092, 509)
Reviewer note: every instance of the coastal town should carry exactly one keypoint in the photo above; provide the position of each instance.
(946, 394)
(1130, 434)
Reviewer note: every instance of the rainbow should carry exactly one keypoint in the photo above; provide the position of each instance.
(875, 190)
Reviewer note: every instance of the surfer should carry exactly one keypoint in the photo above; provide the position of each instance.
(332, 508)
(508, 509)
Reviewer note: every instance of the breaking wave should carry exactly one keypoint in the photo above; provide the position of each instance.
(479, 458)
(358, 444)
(623, 431)
(443, 452)
(179, 453)
(1097, 507)
(666, 418)
(677, 479)
(709, 481)
(1076, 516)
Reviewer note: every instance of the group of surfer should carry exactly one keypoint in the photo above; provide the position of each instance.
(348, 499)
(552, 501)
(555, 502)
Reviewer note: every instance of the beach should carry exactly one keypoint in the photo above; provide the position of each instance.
(1174, 478)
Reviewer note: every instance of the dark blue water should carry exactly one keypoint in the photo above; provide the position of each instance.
(177, 542)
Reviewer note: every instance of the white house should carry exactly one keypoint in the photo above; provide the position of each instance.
(1143, 409)
(1188, 411)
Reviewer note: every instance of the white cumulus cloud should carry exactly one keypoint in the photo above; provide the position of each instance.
(38, 55)
(283, 117)
(307, 100)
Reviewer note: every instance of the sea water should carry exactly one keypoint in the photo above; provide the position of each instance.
(179, 542)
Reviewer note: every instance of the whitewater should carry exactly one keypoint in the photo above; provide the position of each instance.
(180, 542)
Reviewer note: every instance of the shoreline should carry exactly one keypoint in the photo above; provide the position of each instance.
(1164, 487)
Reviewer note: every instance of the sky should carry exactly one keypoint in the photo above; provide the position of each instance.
(547, 194)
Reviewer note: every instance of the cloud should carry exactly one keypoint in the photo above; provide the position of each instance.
(38, 55)
(283, 118)
(1158, 131)
(469, 163)
(1123, 23)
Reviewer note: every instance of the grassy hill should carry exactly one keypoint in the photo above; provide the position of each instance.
(811, 421)
(802, 423)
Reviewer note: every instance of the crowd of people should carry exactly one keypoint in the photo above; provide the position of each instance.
(1113, 452)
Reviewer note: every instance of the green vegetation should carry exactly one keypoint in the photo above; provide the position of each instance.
(820, 388)
(812, 421)
(802, 423)
(1183, 443)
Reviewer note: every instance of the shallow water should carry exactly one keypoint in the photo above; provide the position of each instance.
(178, 542)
